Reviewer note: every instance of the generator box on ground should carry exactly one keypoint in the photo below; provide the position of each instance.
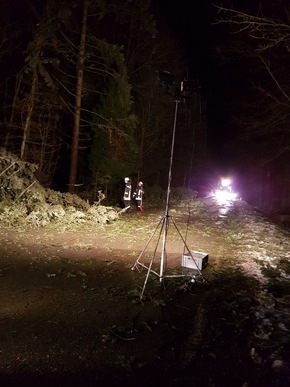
(195, 260)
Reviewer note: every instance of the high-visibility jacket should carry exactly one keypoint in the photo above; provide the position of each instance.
(139, 193)
(127, 192)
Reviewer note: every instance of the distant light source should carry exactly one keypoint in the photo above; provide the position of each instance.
(222, 196)
(225, 182)
(224, 193)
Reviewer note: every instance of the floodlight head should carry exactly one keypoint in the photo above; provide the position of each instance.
(187, 88)
(166, 82)
(166, 78)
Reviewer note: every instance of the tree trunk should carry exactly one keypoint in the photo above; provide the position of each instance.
(31, 101)
(78, 101)
(11, 120)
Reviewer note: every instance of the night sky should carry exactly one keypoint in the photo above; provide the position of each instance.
(200, 39)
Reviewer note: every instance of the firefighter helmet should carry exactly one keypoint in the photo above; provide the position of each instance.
(126, 179)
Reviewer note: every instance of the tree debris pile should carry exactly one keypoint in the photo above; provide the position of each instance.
(25, 202)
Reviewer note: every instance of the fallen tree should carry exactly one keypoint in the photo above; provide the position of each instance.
(25, 202)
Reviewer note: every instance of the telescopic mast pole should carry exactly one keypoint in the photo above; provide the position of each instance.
(163, 252)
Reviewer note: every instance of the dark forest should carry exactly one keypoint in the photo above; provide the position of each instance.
(88, 91)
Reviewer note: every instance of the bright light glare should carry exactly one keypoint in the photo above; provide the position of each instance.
(223, 196)
(225, 182)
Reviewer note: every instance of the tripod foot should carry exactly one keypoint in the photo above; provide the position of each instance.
(135, 267)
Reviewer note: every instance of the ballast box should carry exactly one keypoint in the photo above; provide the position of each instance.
(197, 260)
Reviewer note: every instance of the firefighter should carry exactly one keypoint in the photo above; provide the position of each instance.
(127, 194)
(138, 195)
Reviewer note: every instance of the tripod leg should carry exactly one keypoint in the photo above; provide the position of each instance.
(145, 247)
(147, 276)
(163, 253)
(152, 259)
